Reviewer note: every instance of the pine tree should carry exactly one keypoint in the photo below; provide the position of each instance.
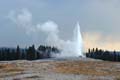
(18, 53)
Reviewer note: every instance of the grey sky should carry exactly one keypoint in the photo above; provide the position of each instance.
(99, 16)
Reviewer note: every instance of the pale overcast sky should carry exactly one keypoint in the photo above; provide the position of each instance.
(99, 21)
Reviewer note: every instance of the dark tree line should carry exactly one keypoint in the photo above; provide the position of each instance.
(29, 53)
(104, 55)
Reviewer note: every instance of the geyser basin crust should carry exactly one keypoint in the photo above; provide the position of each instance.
(59, 70)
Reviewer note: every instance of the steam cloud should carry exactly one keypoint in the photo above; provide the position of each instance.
(50, 28)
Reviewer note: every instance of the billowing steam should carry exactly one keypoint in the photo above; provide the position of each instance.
(69, 48)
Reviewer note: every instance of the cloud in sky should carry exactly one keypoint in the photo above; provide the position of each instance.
(100, 17)
(96, 40)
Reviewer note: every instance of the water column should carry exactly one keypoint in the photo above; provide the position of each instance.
(78, 42)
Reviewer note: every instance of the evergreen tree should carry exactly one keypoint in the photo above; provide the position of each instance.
(18, 56)
(31, 53)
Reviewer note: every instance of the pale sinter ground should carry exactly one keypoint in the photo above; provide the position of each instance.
(60, 69)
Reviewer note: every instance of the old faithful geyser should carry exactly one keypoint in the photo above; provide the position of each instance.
(71, 48)
(78, 43)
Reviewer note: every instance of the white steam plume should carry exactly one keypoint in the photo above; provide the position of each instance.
(23, 20)
(50, 28)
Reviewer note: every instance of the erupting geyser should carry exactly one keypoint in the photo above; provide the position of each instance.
(78, 43)
(72, 48)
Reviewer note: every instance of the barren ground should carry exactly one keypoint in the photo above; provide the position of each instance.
(62, 69)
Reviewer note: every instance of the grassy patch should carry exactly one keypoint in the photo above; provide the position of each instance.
(3, 66)
(87, 68)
